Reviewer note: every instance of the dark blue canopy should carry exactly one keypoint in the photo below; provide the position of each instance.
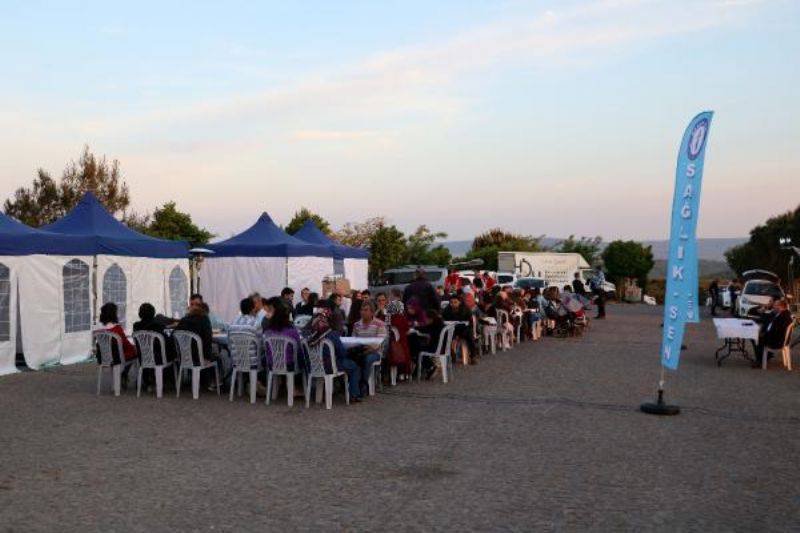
(312, 234)
(266, 239)
(18, 239)
(108, 236)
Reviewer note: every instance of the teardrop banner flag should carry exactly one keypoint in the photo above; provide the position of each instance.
(680, 302)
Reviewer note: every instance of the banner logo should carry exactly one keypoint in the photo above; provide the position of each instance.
(698, 139)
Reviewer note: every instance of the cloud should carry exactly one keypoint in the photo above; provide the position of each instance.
(334, 135)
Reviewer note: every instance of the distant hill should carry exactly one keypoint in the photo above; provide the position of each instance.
(712, 250)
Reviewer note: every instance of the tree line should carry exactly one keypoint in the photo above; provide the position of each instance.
(47, 200)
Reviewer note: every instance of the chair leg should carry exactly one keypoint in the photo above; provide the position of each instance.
(195, 383)
(320, 389)
(253, 381)
(241, 386)
(419, 368)
(178, 381)
(216, 375)
(99, 379)
(234, 373)
(445, 363)
(307, 390)
(159, 372)
(269, 387)
(346, 389)
(328, 392)
(139, 383)
(764, 360)
(393, 375)
(290, 389)
(371, 382)
(175, 372)
(116, 370)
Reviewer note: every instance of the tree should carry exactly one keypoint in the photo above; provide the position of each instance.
(302, 216)
(628, 259)
(587, 247)
(486, 246)
(46, 201)
(169, 223)
(359, 234)
(387, 249)
(420, 249)
(762, 249)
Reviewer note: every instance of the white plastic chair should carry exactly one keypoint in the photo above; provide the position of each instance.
(502, 331)
(395, 337)
(442, 353)
(183, 345)
(245, 348)
(458, 345)
(374, 375)
(279, 348)
(785, 350)
(146, 341)
(518, 315)
(103, 342)
(317, 371)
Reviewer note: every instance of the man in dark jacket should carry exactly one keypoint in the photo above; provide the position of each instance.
(423, 291)
(713, 292)
(578, 286)
(196, 321)
(773, 334)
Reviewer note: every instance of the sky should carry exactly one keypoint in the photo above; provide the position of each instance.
(539, 117)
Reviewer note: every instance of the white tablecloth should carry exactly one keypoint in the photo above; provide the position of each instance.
(736, 328)
(361, 341)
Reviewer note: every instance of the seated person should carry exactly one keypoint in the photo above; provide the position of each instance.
(110, 322)
(196, 321)
(773, 332)
(426, 341)
(338, 319)
(280, 325)
(396, 318)
(321, 328)
(306, 307)
(149, 322)
(456, 311)
(287, 295)
(368, 326)
(304, 293)
(247, 316)
(380, 307)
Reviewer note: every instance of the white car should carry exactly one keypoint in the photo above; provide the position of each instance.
(761, 287)
(505, 279)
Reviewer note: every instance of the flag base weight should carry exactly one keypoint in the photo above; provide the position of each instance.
(660, 408)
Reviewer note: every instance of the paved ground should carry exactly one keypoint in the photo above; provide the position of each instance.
(546, 436)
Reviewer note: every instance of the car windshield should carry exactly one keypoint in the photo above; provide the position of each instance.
(530, 283)
(504, 278)
(763, 288)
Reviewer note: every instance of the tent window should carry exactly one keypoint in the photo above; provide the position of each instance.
(77, 301)
(115, 289)
(338, 267)
(178, 291)
(5, 303)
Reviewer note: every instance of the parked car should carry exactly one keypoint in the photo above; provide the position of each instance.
(401, 277)
(505, 279)
(760, 287)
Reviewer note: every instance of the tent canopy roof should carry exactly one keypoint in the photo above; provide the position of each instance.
(18, 239)
(312, 234)
(90, 220)
(266, 239)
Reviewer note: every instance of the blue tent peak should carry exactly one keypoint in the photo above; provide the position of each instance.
(266, 239)
(309, 232)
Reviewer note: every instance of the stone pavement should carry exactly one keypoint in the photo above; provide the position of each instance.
(546, 437)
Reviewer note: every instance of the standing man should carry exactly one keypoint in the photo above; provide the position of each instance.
(733, 290)
(578, 286)
(422, 289)
(596, 284)
(713, 291)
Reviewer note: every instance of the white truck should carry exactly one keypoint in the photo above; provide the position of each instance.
(556, 268)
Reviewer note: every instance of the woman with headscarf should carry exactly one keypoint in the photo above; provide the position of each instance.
(320, 329)
(400, 354)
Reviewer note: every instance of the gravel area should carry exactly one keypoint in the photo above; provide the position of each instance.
(546, 436)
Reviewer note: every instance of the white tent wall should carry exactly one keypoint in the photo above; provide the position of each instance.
(45, 338)
(224, 281)
(8, 304)
(146, 281)
(357, 271)
(308, 272)
(177, 308)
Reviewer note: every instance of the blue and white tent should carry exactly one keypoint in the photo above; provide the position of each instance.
(116, 264)
(348, 261)
(262, 259)
(24, 253)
